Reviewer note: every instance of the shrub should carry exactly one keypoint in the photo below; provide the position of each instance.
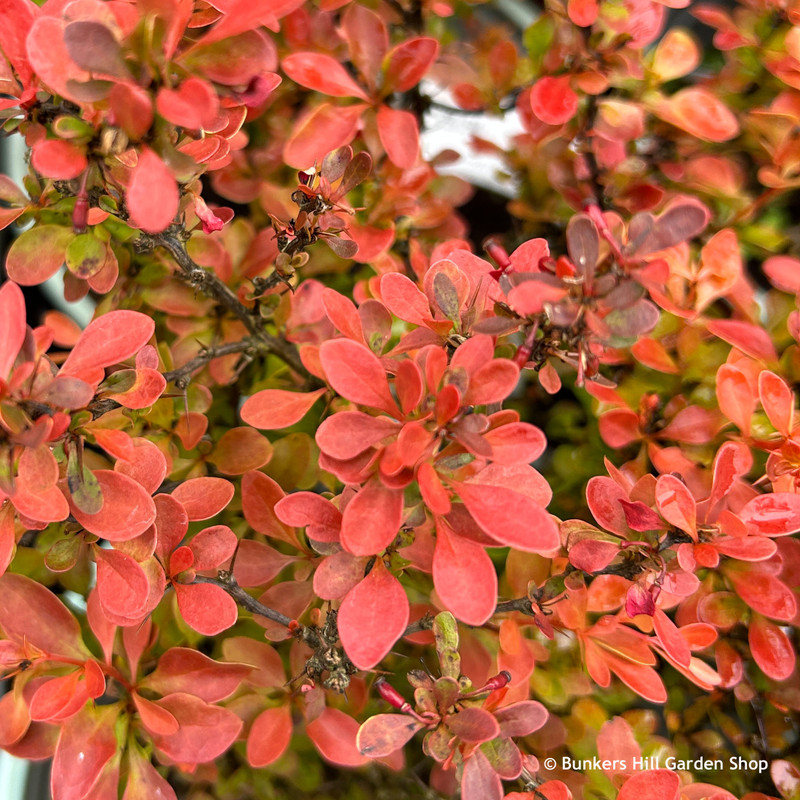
(192, 607)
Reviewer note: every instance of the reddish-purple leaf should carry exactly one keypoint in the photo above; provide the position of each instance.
(372, 519)
(372, 617)
(382, 734)
(271, 409)
(479, 781)
(521, 719)
(464, 576)
(473, 724)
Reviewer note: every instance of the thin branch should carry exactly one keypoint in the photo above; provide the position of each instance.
(181, 374)
(211, 285)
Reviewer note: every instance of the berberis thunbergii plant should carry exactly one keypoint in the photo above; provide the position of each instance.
(270, 526)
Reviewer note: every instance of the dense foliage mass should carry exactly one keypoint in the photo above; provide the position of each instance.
(191, 607)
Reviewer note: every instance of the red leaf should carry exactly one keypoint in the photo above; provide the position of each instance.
(127, 512)
(183, 670)
(207, 608)
(516, 443)
(342, 312)
(306, 509)
(406, 63)
(479, 781)
(404, 299)
(676, 504)
(323, 74)
(776, 398)
(367, 40)
(193, 105)
(203, 498)
(771, 648)
(144, 782)
(338, 574)
(12, 332)
(472, 724)
(334, 734)
(152, 195)
(356, 374)
(735, 397)
(510, 518)
(213, 546)
(776, 514)
(553, 101)
(492, 383)
(582, 12)
(260, 494)
(521, 719)
(107, 340)
(762, 591)
(399, 135)
(640, 517)
(699, 111)
(258, 563)
(347, 434)
(122, 585)
(324, 129)
(86, 744)
(205, 731)
(591, 555)
(58, 698)
(31, 612)
(372, 519)
(750, 339)
(271, 409)
(619, 427)
(234, 60)
(464, 577)
(156, 719)
(671, 639)
(661, 783)
(784, 273)
(145, 464)
(58, 159)
(269, 736)
(382, 734)
(372, 617)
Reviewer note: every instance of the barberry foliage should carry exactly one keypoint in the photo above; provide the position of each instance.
(316, 432)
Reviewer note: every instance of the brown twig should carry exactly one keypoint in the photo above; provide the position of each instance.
(181, 374)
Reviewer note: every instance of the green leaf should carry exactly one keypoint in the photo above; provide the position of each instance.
(445, 631)
(85, 255)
